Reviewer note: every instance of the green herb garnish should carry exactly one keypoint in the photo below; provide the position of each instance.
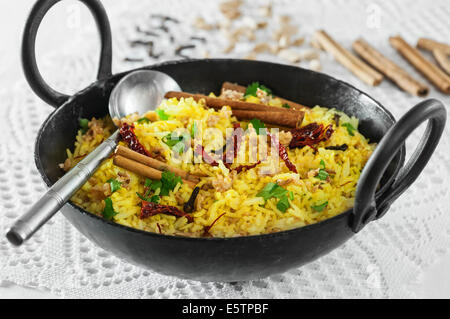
(108, 212)
(169, 180)
(322, 164)
(194, 129)
(253, 88)
(319, 208)
(273, 190)
(152, 184)
(143, 120)
(84, 125)
(287, 106)
(291, 195)
(162, 115)
(350, 128)
(114, 184)
(283, 204)
(153, 199)
(257, 125)
(323, 174)
(176, 142)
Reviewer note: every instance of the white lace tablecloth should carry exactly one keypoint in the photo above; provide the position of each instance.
(384, 260)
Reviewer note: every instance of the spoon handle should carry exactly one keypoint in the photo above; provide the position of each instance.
(60, 193)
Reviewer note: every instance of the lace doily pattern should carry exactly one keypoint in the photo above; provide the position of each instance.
(383, 260)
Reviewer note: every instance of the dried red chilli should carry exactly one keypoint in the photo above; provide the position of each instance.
(150, 209)
(310, 135)
(283, 153)
(227, 156)
(127, 134)
(241, 167)
(159, 228)
(200, 150)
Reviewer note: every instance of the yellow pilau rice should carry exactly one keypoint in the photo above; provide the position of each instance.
(246, 213)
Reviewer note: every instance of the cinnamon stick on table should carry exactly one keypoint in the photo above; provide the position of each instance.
(413, 56)
(142, 169)
(242, 89)
(347, 59)
(244, 110)
(154, 163)
(431, 45)
(389, 68)
(441, 52)
(443, 59)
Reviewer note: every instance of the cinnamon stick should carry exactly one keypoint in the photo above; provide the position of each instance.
(142, 169)
(431, 45)
(347, 59)
(242, 89)
(154, 163)
(218, 103)
(254, 109)
(443, 59)
(389, 68)
(428, 69)
(275, 118)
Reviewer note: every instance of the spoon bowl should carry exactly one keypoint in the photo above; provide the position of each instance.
(139, 91)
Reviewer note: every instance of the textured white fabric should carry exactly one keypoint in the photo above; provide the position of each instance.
(383, 260)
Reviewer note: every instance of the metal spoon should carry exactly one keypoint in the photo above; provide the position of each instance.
(139, 91)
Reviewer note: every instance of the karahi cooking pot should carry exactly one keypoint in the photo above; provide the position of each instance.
(384, 178)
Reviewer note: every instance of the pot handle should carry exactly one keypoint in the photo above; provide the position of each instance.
(367, 207)
(32, 74)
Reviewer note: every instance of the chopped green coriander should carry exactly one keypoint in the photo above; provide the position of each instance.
(108, 212)
(176, 142)
(162, 115)
(266, 192)
(257, 125)
(253, 88)
(169, 180)
(143, 120)
(271, 190)
(321, 207)
(114, 184)
(84, 125)
(286, 106)
(350, 128)
(178, 148)
(322, 164)
(171, 140)
(152, 184)
(322, 175)
(194, 129)
(153, 199)
(283, 204)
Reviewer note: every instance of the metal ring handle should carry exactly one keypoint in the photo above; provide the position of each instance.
(367, 207)
(32, 74)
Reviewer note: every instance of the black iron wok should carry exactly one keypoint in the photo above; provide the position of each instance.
(384, 178)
